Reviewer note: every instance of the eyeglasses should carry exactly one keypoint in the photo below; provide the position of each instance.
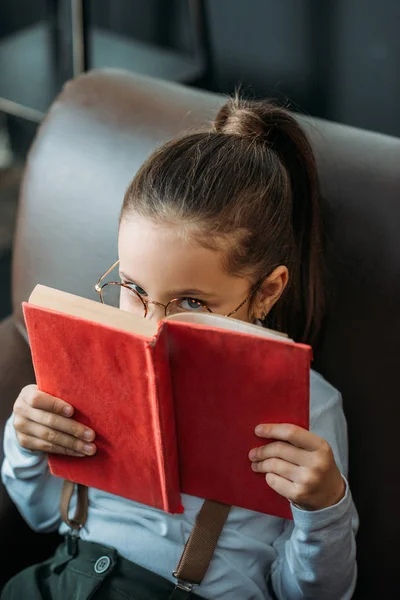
(123, 295)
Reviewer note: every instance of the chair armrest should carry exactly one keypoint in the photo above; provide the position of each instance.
(23, 546)
(16, 370)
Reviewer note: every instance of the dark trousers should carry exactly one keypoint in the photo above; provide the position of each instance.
(84, 570)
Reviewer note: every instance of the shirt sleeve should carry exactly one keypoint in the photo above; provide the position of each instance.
(29, 483)
(316, 552)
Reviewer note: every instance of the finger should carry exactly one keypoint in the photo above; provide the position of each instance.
(37, 399)
(54, 421)
(287, 432)
(35, 444)
(283, 450)
(55, 438)
(283, 486)
(278, 466)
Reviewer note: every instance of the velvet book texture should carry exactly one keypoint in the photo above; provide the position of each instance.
(174, 412)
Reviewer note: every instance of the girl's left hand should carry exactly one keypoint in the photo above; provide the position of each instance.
(298, 465)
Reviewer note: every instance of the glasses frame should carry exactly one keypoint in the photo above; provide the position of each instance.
(100, 286)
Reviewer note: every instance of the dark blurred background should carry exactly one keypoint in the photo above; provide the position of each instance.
(337, 59)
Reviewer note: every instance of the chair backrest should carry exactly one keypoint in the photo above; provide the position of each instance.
(92, 142)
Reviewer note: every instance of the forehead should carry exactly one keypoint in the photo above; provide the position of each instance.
(164, 257)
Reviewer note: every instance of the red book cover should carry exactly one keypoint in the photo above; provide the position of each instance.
(109, 377)
(225, 383)
(174, 409)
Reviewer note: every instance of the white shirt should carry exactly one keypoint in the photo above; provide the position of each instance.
(311, 557)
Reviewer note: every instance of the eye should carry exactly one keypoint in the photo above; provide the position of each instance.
(191, 304)
(135, 288)
(138, 289)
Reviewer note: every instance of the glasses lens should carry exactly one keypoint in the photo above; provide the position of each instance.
(183, 305)
(123, 297)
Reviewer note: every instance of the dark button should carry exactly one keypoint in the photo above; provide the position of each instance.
(102, 564)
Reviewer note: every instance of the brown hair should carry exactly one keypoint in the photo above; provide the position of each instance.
(251, 181)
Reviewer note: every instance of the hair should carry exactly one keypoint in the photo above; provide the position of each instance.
(250, 183)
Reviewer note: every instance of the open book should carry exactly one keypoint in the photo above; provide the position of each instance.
(174, 406)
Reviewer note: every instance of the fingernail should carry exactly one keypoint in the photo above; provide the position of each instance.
(258, 430)
(88, 448)
(87, 434)
(252, 454)
(67, 411)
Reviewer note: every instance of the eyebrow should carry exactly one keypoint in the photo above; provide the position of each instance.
(172, 293)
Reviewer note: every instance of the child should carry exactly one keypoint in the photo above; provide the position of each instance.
(224, 221)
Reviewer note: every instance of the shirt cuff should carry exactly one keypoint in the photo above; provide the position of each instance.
(316, 519)
(12, 447)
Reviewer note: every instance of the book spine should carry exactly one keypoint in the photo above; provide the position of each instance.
(164, 421)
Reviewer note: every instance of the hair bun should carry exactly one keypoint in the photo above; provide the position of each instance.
(251, 120)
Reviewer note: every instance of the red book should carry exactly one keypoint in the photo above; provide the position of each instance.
(174, 407)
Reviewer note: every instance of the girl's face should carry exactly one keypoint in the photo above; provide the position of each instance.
(162, 265)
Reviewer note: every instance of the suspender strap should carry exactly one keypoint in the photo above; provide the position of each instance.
(201, 544)
(198, 550)
(80, 516)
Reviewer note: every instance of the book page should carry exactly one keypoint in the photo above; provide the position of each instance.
(90, 310)
(221, 322)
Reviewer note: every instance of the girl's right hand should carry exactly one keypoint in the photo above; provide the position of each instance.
(44, 423)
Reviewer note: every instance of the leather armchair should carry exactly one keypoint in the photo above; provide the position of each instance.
(90, 145)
